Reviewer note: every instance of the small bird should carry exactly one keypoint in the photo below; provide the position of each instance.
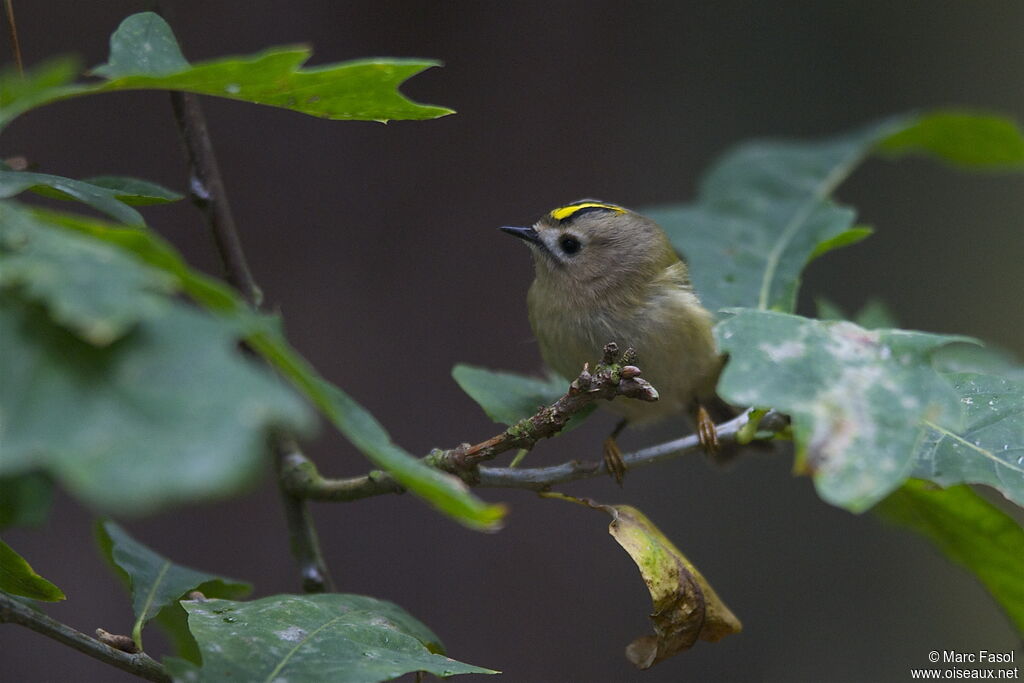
(605, 274)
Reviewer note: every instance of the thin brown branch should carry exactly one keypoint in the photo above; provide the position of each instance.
(14, 612)
(301, 478)
(305, 545)
(612, 378)
(206, 189)
(12, 29)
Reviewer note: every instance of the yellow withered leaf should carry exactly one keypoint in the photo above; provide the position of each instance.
(686, 607)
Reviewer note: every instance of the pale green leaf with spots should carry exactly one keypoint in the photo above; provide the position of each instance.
(860, 399)
(329, 637)
(989, 449)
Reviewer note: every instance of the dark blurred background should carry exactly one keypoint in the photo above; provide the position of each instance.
(378, 244)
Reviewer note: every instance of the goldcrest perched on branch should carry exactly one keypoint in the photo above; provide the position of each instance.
(604, 273)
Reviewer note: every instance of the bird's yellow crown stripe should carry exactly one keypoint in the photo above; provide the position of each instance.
(563, 212)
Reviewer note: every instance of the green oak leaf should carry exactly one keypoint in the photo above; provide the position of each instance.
(38, 85)
(327, 637)
(441, 490)
(973, 139)
(874, 315)
(18, 578)
(989, 448)
(93, 289)
(144, 55)
(171, 412)
(156, 583)
(131, 191)
(968, 530)
(149, 248)
(763, 212)
(858, 398)
(25, 499)
(508, 397)
(104, 199)
(985, 360)
(143, 44)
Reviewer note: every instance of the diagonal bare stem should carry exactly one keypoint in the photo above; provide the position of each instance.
(301, 478)
(14, 612)
(206, 189)
(12, 30)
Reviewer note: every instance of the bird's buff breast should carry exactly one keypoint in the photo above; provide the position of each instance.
(675, 351)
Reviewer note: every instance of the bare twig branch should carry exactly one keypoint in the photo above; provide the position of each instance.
(542, 478)
(14, 612)
(12, 29)
(300, 477)
(207, 193)
(301, 531)
(613, 377)
(206, 189)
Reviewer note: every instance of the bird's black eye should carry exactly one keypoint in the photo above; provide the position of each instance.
(569, 244)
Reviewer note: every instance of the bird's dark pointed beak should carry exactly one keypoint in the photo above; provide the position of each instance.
(528, 234)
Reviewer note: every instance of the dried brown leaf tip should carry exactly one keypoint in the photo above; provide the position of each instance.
(686, 607)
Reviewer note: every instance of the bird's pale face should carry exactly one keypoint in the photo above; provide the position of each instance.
(590, 245)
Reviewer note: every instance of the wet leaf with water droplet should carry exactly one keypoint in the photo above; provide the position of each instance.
(989, 448)
(857, 397)
(328, 637)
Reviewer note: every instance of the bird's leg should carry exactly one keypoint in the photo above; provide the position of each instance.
(706, 432)
(613, 455)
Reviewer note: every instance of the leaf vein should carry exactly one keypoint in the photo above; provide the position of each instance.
(141, 618)
(822, 190)
(284, 660)
(986, 453)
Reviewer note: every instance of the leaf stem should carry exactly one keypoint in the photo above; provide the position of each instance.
(518, 458)
(140, 664)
